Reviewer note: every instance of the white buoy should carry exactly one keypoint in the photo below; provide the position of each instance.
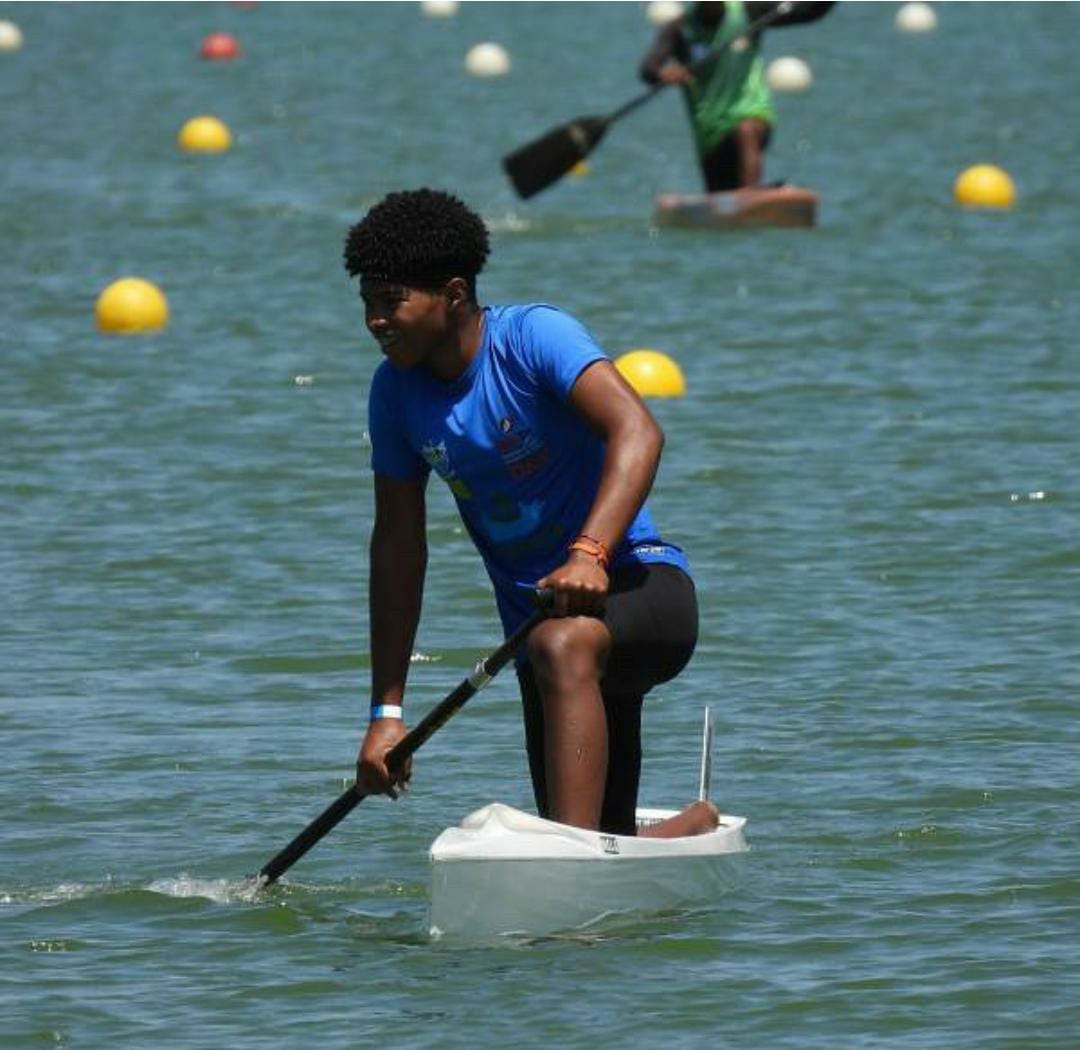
(789, 75)
(10, 36)
(487, 60)
(660, 12)
(916, 17)
(439, 8)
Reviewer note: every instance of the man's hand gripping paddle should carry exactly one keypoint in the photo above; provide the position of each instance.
(340, 808)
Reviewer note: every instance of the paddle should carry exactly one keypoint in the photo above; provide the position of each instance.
(340, 808)
(545, 160)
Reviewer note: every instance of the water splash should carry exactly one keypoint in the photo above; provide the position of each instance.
(509, 222)
(220, 891)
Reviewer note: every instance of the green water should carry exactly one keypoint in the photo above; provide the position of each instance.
(873, 472)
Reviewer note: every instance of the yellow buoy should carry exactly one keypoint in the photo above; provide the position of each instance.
(651, 373)
(984, 186)
(205, 135)
(131, 305)
(581, 169)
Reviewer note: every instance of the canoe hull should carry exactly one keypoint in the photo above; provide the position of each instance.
(504, 872)
(756, 206)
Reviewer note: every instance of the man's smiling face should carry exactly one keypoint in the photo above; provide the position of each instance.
(409, 324)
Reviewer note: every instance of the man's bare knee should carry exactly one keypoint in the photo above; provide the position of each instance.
(568, 649)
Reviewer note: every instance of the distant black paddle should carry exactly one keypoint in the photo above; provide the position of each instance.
(545, 160)
(345, 803)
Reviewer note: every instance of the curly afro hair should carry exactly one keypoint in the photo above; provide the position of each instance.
(418, 238)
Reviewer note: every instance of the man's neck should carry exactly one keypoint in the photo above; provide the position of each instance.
(451, 363)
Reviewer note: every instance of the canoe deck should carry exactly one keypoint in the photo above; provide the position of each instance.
(757, 206)
(502, 871)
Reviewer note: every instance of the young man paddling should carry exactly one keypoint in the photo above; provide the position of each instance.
(728, 101)
(549, 455)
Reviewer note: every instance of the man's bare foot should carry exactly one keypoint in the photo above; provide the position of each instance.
(697, 819)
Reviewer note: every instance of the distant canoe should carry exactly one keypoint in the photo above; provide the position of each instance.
(758, 206)
(502, 871)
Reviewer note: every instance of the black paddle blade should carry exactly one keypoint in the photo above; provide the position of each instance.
(537, 165)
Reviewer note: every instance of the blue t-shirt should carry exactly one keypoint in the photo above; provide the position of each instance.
(524, 467)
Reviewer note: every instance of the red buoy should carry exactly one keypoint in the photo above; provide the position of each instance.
(220, 45)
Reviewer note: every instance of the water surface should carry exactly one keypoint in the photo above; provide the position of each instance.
(873, 472)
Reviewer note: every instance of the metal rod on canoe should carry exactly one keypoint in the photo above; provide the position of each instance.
(705, 779)
(344, 804)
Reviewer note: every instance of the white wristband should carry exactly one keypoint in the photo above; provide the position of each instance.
(386, 711)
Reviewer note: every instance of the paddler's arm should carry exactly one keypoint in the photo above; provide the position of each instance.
(398, 561)
(665, 61)
(800, 13)
(633, 442)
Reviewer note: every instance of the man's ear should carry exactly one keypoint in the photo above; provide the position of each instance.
(457, 291)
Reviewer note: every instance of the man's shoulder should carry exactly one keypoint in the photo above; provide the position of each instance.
(384, 377)
(543, 343)
(524, 324)
(518, 316)
(392, 386)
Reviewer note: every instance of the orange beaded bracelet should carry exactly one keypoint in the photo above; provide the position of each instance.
(594, 547)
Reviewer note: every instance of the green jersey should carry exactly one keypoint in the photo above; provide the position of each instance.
(731, 88)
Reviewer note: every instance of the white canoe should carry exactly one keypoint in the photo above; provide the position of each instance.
(502, 871)
(755, 206)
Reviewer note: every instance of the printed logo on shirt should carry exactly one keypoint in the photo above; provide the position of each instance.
(506, 521)
(523, 453)
(439, 461)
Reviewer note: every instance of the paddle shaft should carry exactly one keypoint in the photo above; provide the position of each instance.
(347, 801)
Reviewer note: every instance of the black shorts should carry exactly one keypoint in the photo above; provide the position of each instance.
(721, 166)
(651, 613)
